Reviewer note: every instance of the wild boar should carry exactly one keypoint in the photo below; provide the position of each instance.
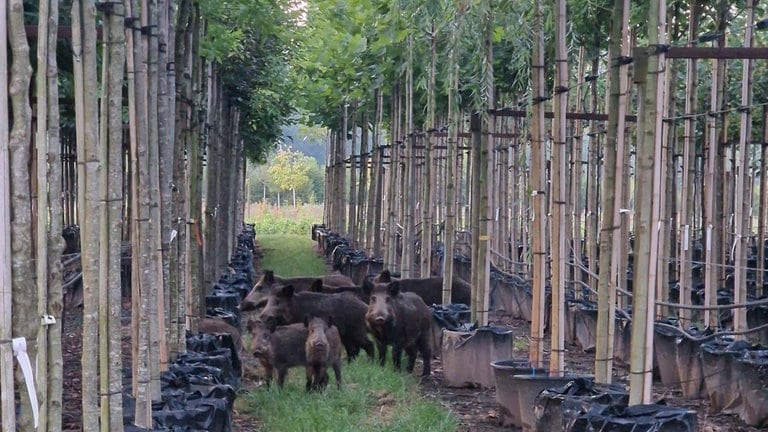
(403, 320)
(278, 348)
(264, 286)
(429, 289)
(285, 306)
(323, 349)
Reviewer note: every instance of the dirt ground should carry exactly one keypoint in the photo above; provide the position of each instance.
(475, 408)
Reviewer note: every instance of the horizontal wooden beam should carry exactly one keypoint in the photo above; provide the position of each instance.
(756, 53)
(508, 112)
(63, 32)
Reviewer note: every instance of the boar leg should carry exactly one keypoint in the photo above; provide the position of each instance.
(382, 347)
(281, 373)
(337, 372)
(426, 357)
(310, 375)
(411, 352)
(397, 352)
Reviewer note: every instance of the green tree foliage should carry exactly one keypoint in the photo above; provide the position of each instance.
(289, 170)
(251, 41)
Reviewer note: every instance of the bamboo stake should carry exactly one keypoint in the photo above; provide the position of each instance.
(364, 180)
(374, 206)
(352, 214)
(576, 173)
(103, 244)
(7, 401)
(538, 186)
(390, 247)
(559, 237)
(648, 193)
(409, 174)
(712, 212)
(612, 202)
(742, 205)
(593, 176)
(452, 171)
(666, 200)
(762, 207)
(688, 172)
(427, 198)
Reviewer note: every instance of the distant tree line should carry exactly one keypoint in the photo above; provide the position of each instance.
(288, 178)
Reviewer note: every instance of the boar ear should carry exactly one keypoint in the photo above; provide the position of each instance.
(385, 276)
(269, 276)
(317, 286)
(367, 285)
(393, 288)
(330, 320)
(288, 291)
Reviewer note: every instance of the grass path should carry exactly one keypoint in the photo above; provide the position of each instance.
(372, 398)
(291, 255)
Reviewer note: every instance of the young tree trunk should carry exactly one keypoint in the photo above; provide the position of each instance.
(193, 91)
(7, 398)
(427, 199)
(763, 204)
(451, 156)
(611, 203)
(647, 203)
(743, 204)
(353, 161)
(538, 186)
(559, 238)
(210, 178)
(340, 175)
(179, 76)
(50, 410)
(89, 171)
(143, 255)
(593, 179)
(114, 156)
(576, 204)
(409, 172)
(364, 175)
(111, 193)
(157, 326)
(390, 247)
(40, 222)
(165, 127)
(377, 181)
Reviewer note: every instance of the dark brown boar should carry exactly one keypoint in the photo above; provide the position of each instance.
(355, 291)
(323, 349)
(268, 281)
(403, 320)
(218, 325)
(285, 306)
(278, 348)
(429, 289)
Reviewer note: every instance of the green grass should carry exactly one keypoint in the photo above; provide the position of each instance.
(291, 255)
(372, 399)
